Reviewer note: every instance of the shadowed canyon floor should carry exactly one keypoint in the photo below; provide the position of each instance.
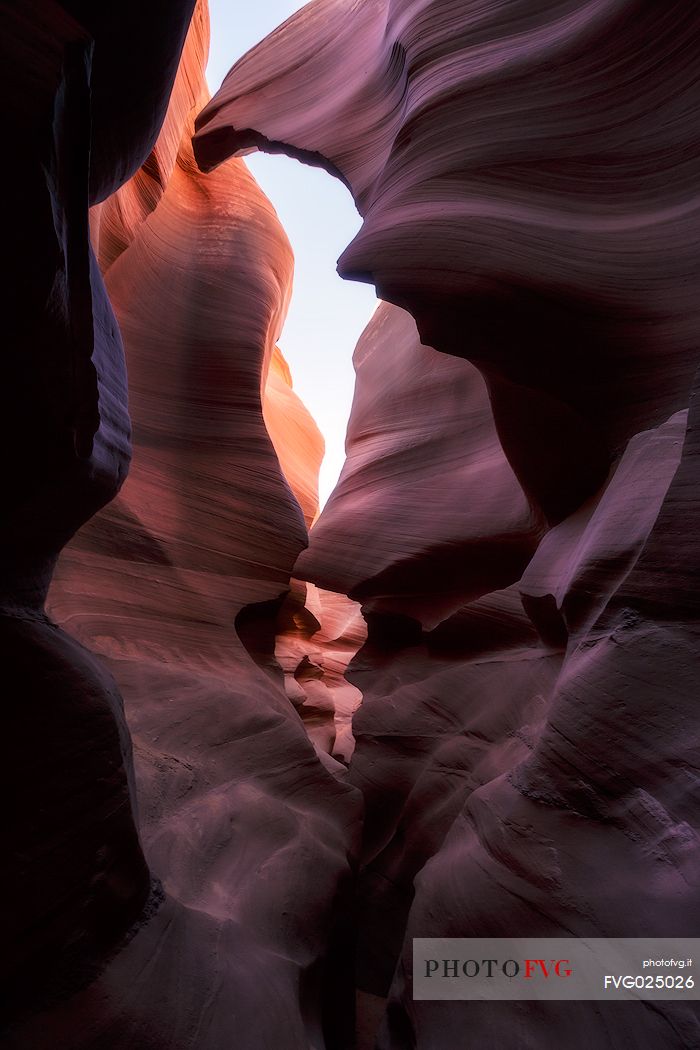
(256, 750)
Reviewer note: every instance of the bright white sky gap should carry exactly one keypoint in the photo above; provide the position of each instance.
(327, 315)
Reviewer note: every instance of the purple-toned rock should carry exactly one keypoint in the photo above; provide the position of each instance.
(427, 512)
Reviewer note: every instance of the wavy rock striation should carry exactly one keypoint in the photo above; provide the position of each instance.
(595, 830)
(517, 517)
(115, 221)
(526, 747)
(427, 513)
(527, 175)
(246, 833)
(318, 634)
(75, 873)
(297, 440)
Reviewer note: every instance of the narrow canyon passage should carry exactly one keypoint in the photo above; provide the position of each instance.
(266, 740)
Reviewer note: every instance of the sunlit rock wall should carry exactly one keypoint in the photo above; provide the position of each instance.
(527, 183)
(247, 834)
(427, 512)
(527, 176)
(517, 518)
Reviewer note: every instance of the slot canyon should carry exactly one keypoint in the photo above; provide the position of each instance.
(254, 746)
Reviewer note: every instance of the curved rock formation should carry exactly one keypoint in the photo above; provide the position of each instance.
(75, 874)
(427, 512)
(596, 830)
(439, 718)
(115, 221)
(201, 292)
(318, 634)
(479, 710)
(528, 178)
(126, 123)
(526, 750)
(527, 175)
(297, 440)
(245, 831)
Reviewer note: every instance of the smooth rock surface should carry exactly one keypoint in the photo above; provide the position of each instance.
(517, 517)
(527, 175)
(245, 829)
(595, 829)
(427, 513)
(75, 878)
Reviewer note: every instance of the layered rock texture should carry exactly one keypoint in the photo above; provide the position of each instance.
(76, 878)
(427, 511)
(178, 585)
(527, 744)
(527, 175)
(462, 704)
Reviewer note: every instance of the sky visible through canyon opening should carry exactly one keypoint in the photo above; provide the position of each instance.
(326, 314)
